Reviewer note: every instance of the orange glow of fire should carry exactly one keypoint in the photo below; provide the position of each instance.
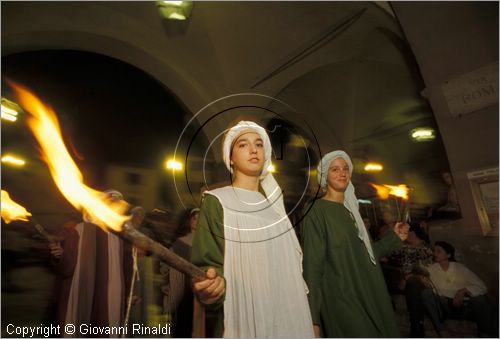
(44, 124)
(11, 210)
(383, 191)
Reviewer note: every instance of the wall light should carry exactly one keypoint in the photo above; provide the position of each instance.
(10, 110)
(271, 168)
(373, 167)
(171, 164)
(13, 160)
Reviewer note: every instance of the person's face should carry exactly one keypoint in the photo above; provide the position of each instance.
(193, 222)
(338, 175)
(388, 217)
(440, 254)
(248, 154)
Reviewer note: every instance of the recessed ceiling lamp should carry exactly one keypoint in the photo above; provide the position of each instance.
(423, 134)
(175, 10)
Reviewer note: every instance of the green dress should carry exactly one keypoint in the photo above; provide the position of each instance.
(347, 292)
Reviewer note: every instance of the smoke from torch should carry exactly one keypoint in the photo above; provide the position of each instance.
(44, 124)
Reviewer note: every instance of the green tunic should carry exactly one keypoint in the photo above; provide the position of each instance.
(208, 251)
(347, 292)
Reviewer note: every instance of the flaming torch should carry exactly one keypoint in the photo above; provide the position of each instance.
(399, 191)
(12, 211)
(111, 218)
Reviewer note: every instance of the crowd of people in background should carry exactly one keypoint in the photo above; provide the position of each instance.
(436, 286)
(338, 281)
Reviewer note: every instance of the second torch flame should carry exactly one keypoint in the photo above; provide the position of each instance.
(11, 210)
(400, 191)
(43, 123)
(383, 191)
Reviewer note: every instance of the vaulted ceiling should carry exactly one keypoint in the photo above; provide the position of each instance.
(344, 69)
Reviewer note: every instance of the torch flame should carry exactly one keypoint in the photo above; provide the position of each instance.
(44, 124)
(11, 210)
(383, 191)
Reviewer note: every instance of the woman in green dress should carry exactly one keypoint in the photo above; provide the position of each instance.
(348, 296)
(247, 244)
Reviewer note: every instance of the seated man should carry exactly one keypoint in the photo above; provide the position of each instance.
(460, 293)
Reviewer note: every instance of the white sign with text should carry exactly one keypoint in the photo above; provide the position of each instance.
(472, 91)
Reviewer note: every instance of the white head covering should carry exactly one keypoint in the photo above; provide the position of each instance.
(268, 183)
(235, 132)
(350, 200)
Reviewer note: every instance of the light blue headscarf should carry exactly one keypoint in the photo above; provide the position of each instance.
(350, 200)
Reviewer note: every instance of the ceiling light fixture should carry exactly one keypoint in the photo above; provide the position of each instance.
(423, 134)
(175, 10)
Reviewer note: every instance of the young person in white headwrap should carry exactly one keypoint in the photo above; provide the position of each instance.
(348, 295)
(247, 243)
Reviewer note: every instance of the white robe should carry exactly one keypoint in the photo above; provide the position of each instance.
(266, 295)
(81, 294)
